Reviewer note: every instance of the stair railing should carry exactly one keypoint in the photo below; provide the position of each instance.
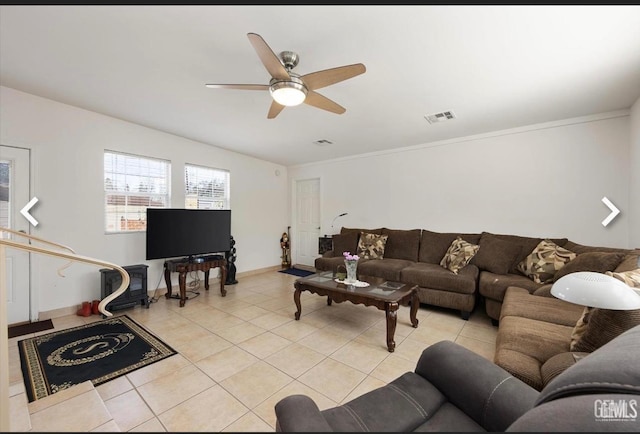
(27, 246)
(71, 255)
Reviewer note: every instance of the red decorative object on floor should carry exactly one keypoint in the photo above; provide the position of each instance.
(85, 310)
(94, 307)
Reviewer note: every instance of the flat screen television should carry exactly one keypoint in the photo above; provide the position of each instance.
(175, 232)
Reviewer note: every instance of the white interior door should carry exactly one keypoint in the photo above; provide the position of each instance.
(14, 195)
(307, 221)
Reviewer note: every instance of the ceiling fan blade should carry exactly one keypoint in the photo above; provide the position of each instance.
(324, 103)
(320, 79)
(274, 110)
(239, 86)
(268, 57)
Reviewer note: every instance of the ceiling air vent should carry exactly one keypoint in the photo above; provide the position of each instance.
(440, 117)
(322, 142)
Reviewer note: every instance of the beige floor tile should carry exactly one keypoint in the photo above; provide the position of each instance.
(240, 333)
(115, 387)
(110, 426)
(266, 410)
(158, 369)
(256, 383)
(152, 425)
(410, 349)
(212, 410)
(15, 372)
(318, 318)
(251, 312)
(249, 423)
(361, 356)
(61, 396)
(128, 410)
(333, 379)
(270, 321)
(19, 419)
(81, 413)
(323, 342)
(294, 330)
(199, 348)
(219, 321)
(347, 328)
(226, 363)
(485, 349)
(279, 303)
(431, 335)
(16, 389)
(166, 392)
(486, 333)
(377, 337)
(295, 359)
(264, 345)
(392, 367)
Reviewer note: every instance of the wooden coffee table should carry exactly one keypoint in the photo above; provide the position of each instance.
(383, 294)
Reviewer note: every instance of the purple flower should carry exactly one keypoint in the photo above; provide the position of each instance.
(349, 257)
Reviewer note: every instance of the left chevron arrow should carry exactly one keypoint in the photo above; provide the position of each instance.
(25, 211)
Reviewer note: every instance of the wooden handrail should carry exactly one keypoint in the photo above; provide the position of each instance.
(42, 240)
(73, 257)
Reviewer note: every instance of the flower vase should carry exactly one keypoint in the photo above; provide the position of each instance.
(351, 266)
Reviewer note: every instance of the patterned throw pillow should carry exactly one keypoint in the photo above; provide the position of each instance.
(603, 325)
(544, 261)
(631, 278)
(458, 255)
(371, 246)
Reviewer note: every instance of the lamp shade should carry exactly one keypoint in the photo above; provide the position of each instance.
(598, 290)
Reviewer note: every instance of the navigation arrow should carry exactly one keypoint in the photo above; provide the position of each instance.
(25, 211)
(614, 211)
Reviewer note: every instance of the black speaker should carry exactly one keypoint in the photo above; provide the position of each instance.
(231, 264)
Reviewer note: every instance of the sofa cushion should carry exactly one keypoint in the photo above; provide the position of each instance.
(528, 244)
(519, 303)
(347, 242)
(371, 246)
(544, 261)
(580, 327)
(496, 255)
(598, 262)
(630, 278)
(494, 286)
(433, 276)
(402, 244)
(630, 262)
(603, 325)
(458, 255)
(523, 345)
(433, 245)
(558, 364)
(386, 268)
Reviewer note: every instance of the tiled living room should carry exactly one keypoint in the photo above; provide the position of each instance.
(480, 160)
(241, 354)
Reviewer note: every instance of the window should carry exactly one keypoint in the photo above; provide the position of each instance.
(131, 185)
(206, 188)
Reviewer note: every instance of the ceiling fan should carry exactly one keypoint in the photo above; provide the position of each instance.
(290, 89)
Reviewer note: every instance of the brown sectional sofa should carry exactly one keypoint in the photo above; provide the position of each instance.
(413, 256)
(535, 328)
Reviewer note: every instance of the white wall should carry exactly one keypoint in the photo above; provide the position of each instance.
(634, 184)
(67, 146)
(542, 180)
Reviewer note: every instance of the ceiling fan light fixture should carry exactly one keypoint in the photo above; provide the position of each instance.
(288, 93)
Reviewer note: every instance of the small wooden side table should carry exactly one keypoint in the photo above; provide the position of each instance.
(184, 266)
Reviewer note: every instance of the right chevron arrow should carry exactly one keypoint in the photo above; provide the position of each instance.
(614, 211)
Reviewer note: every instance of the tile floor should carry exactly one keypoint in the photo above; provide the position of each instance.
(239, 355)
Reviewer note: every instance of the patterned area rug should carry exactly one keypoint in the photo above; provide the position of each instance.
(100, 351)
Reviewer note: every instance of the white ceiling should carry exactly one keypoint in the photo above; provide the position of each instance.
(496, 67)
